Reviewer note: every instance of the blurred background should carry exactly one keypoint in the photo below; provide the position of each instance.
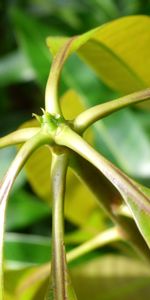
(24, 67)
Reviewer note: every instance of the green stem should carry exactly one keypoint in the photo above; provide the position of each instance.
(99, 240)
(18, 137)
(51, 98)
(58, 175)
(67, 137)
(22, 156)
(93, 114)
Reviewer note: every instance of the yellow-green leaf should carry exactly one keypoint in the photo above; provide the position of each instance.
(141, 217)
(112, 277)
(16, 289)
(118, 51)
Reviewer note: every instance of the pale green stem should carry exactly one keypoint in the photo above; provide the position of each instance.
(58, 175)
(6, 185)
(51, 94)
(99, 240)
(67, 137)
(123, 210)
(93, 114)
(102, 239)
(18, 137)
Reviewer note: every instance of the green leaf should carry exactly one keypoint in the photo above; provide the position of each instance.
(22, 250)
(141, 217)
(8, 297)
(15, 68)
(132, 140)
(13, 283)
(6, 157)
(109, 7)
(31, 36)
(28, 210)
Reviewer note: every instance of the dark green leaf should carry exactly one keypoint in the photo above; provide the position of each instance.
(15, 68)
(31, 36)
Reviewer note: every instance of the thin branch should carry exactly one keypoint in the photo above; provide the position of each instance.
(58, 276)
(18, 137)
(99, 240)
(6, 186)
(67, 137)
(51, 98)
(93, 114)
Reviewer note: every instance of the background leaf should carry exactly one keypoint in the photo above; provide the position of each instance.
(111, 277)
(22, 250)
(15, 68)
(28, 210)
(32, 40)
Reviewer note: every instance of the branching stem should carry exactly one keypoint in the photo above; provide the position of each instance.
(18, 137)
(67, 137)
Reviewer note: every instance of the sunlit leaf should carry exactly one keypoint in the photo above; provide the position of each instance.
(115, 53)
(72, 104)
(142, 218)
(8, 297)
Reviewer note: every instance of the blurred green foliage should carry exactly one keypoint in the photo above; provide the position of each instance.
(24, 67)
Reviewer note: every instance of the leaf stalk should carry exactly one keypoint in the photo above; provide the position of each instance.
(93, 114)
